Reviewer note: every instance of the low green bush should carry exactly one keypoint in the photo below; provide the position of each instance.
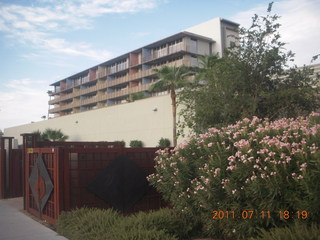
(87, 223)
(122, 142)
(168, 220)
(129, 229)
(136, 144)
(164, 143)
(231, 178)
(296, 231)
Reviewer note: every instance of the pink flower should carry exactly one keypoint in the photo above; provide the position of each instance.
(303, 166)
(242, 143)
(216, 172)
(210, 144)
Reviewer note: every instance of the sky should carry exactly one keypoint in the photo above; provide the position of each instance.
(44, 41)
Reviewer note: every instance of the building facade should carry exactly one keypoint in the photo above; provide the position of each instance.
(117, 80)
(103, 88)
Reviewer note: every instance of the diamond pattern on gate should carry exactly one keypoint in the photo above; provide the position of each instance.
(121, 184)
(40, 183)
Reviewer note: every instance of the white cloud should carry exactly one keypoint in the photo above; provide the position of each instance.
(39, 25)
(23, 100)
(299, 26)
(60, 45)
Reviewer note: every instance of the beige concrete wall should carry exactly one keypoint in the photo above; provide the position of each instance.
(129, 121)
(210, 29)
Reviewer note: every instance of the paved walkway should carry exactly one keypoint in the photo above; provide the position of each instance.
(15, 225)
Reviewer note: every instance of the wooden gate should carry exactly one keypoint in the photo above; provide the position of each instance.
(42, 184)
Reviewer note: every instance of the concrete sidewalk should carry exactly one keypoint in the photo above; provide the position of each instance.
(15, 225)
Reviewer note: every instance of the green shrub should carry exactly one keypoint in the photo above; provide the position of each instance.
(136, 144)
(130, 229)
(123, 143)
(160, 224)
(137, 96)
(168, 220)
(296, 231)
(87, 223)
(255, 165)
(164, 142)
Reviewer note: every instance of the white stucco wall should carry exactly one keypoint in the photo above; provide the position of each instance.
(130, 121)
(210, 29)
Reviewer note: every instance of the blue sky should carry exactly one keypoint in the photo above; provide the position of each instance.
(43, 41)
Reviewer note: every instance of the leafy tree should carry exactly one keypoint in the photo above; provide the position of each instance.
(164, 143)
(137, 96)
(53, 135)
(136, 144)
(171, 79)
(252, 79)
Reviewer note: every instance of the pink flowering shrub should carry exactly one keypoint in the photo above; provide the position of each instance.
(255, 165)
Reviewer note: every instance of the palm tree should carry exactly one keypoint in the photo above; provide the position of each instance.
(204, 71)
(171, 79)
(52, 135)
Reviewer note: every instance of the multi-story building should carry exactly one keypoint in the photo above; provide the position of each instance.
(116, 80)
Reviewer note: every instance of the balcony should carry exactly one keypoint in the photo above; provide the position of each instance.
(117, 81)
(87, 101)
(139, 88)
(115, 94)
(101, 98)
(61, 108)
(105, 84)
(75, 94)
(168, 50)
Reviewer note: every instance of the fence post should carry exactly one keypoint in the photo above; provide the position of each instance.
(5, 166)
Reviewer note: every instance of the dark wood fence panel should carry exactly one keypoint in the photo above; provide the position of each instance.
(15, 174)
(144, 158)
(83, 165)
(2, 173)
(10, 169)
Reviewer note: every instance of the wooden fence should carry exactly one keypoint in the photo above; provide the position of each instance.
(10, 169)
(60, 177)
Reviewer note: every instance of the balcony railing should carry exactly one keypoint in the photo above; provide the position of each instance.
(101, 73)
(117, 81)
(183, 46)
(75, 94)
(101, 98)
(106, 84)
